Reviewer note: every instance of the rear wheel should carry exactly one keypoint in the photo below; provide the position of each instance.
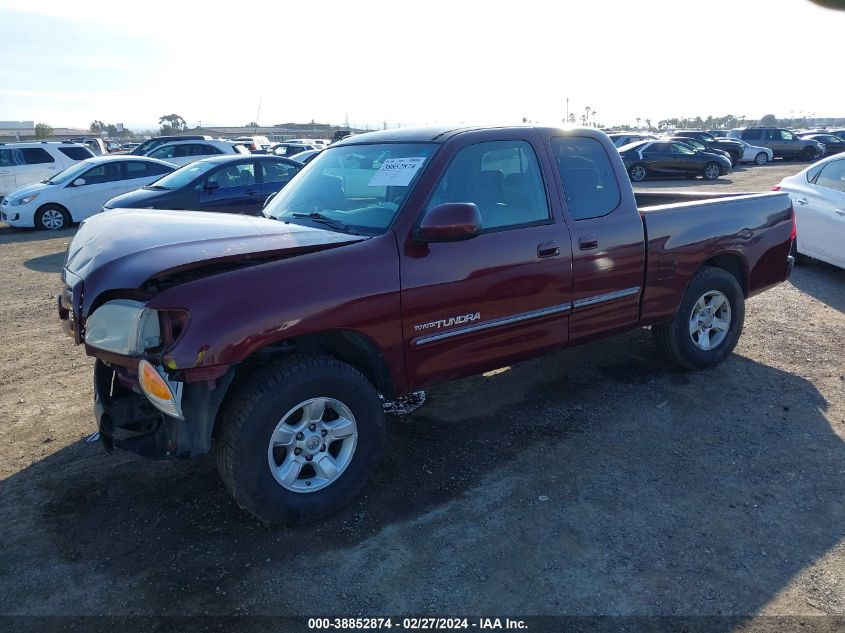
(52, 217)
(808, 154)
(637, 173)
(711, 171)
(708, 323)
(761, 158)
(298, 440)
(734, 158)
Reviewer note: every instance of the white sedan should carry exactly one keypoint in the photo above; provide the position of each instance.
(818, 195)
(185, 152)
(755, 154)
(80, 190)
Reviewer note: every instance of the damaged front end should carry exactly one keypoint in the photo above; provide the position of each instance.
(127, 417)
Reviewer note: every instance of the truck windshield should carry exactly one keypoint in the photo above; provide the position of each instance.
(357, 186)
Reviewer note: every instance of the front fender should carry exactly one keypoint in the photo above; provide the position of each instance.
(236, 313)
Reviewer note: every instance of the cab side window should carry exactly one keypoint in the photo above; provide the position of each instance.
(277, 171)
(36, 156)
(502, 178)
(163, 153)
(241, 175)
(103, 173)
(589, 183)
(832, 176)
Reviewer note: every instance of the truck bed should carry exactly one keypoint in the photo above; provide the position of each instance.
(749, 233)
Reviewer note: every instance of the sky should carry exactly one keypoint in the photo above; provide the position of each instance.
(415, 63)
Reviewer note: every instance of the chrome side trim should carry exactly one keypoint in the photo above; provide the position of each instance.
(517, 318)
(610, 296)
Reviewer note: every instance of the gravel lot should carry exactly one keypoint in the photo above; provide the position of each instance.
(594, 481)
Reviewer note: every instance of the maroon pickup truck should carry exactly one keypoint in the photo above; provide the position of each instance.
(393, 262)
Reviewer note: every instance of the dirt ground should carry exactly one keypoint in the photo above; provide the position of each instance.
(594, 481)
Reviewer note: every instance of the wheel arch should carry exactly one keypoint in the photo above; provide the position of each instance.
(348, 346)
(56, 205)
(733, 263)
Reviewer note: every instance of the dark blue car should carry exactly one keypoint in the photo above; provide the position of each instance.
(229, 184)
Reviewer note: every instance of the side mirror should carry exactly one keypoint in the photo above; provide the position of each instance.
(450, 222)
(78, 182)
(211, 185)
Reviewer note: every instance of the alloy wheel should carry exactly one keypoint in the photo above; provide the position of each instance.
(710, 320)
(312, 445)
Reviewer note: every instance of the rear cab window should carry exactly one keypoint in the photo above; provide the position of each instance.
(589, 182)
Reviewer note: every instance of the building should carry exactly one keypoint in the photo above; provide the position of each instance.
(11, 131)
(280, 132)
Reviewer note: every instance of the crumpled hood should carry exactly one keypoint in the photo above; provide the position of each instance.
(123, 248)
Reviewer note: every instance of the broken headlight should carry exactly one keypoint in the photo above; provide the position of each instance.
(124, 327)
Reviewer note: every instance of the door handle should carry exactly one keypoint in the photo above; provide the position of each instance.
(548, 249)
(4, 172)
(251, 192)
(588, 242)
(839, 211)
(802, 201)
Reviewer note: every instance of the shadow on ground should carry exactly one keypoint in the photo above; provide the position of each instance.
(10, 234)
(672, 493)
(822, 281)
(46, 263)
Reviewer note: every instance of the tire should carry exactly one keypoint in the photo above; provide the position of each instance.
(761, 158)
(253, 434)
(637, 173)
(734, 159)
(808, 154)
(52, 217)
(677, 342)
(711, 171)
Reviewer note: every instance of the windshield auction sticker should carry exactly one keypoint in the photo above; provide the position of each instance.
(396, 172)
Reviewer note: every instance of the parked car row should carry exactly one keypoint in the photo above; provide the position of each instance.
(698, 153)
(232, 183)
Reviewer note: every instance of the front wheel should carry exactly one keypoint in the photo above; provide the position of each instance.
(52, 217)
(761, 158)
(708, 323)
(637, 173)
(711, 171)
(297, 441)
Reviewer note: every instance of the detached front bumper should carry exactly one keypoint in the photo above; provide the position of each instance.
(126, 419)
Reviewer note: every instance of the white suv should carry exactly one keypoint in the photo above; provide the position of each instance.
(186, 152)
(25, 163)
